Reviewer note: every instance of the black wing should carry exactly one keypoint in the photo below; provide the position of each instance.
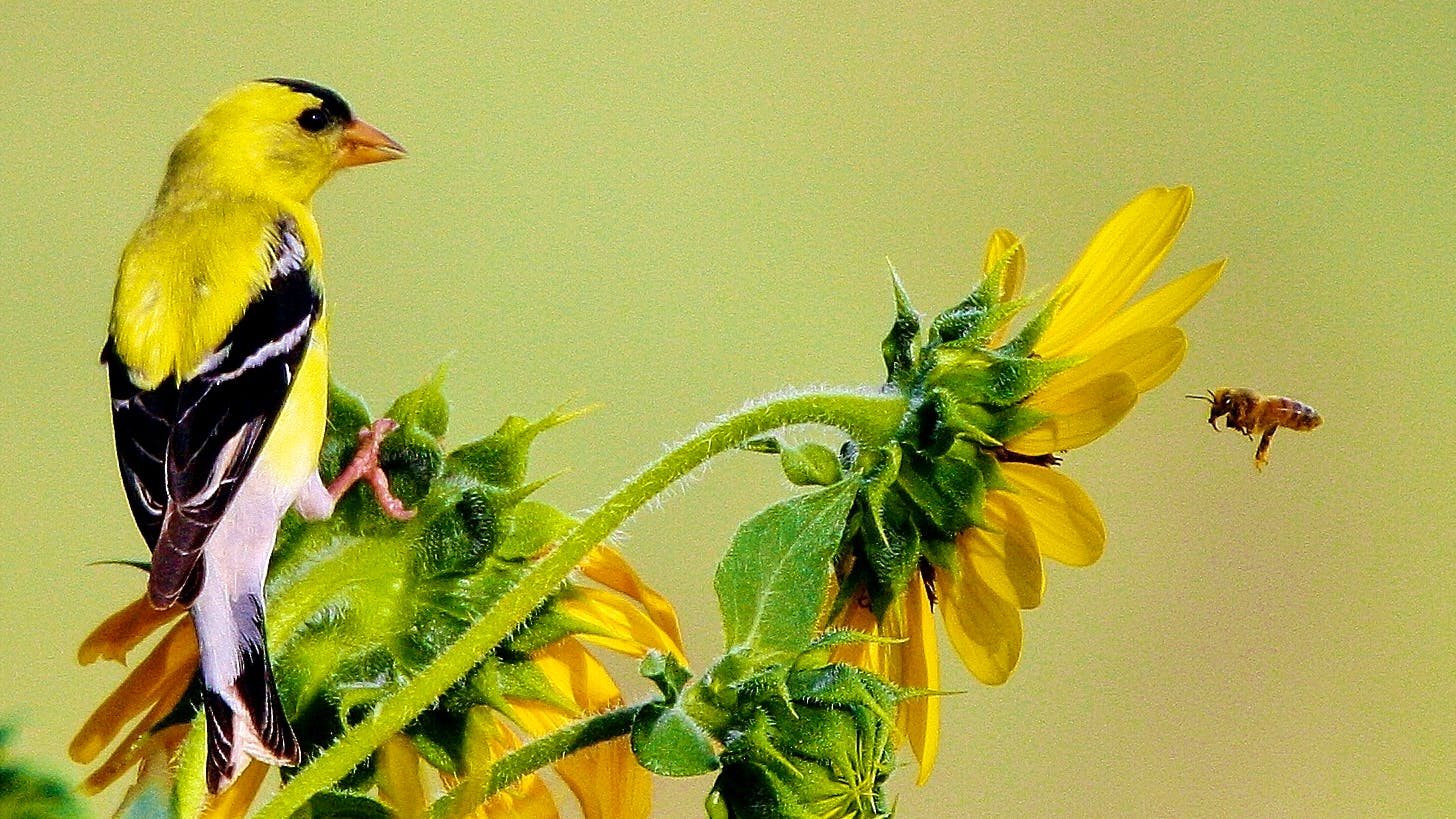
(185, 448)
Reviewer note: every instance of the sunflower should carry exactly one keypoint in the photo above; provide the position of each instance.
(988, 418)
(621, 613)
(358, 604)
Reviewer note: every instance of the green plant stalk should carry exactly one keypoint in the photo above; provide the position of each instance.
(870, 419)
(557, 745)
(533, 756)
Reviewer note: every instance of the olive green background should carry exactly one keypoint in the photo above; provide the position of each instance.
(673, 209)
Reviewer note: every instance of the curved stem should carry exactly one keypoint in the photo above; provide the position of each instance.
(870, 419)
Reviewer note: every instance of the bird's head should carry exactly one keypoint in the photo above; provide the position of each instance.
(278, 138)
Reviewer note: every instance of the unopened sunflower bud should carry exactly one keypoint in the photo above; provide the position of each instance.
(824, 750)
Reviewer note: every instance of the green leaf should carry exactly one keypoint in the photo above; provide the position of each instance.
(28, 792)
(339, 805)
(668, 742)
(424, 407)
(772, 582)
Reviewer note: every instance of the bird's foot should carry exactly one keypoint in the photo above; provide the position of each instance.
(365, 467)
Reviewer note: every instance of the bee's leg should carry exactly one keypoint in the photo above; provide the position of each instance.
(1261, 455)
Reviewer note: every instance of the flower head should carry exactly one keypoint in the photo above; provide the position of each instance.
(360, 603)
(958, 512)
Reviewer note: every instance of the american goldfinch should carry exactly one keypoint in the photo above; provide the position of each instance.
(217, 361)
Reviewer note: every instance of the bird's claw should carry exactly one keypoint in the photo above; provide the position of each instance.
(365, 467)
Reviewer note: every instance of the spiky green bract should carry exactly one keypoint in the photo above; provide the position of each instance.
(360, 602)
(805, 739)
(964, 395)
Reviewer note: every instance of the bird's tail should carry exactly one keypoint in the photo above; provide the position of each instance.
(244, 713)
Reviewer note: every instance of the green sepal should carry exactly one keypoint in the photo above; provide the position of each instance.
(669, 742)
(424, 407)
(439, 736)
(926, 495)
(888, 533)
(500, 459)
(898, 347)
(969, 323)
(664, 670)
(772, 582)
(1025, 340)
(1017, 420)
(533, 526)
(342, 805)
(347, 414)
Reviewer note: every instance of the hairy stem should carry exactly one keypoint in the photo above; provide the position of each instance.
(869, 419)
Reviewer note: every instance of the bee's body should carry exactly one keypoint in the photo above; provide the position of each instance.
(1253, 414)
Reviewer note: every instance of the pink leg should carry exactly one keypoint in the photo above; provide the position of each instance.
(365, 467)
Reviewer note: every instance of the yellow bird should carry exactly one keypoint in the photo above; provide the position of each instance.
(218, 364)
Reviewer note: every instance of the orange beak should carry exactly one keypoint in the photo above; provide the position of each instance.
(364, 145)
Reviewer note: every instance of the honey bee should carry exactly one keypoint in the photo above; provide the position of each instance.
(1255, 414)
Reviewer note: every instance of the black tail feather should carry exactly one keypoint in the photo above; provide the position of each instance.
(260, 698)
(258, 724)
(220, 768)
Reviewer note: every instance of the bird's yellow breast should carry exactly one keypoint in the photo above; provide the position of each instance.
(291, 452)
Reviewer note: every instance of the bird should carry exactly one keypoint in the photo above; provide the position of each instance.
(217, 361)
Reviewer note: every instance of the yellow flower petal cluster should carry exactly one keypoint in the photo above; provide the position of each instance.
(1119, 350)
(621, 613)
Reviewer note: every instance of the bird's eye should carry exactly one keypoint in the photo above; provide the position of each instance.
(313, 120)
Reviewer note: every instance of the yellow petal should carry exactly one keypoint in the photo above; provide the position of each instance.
(606, 566)
(872, 657)
(1117, 262)
(983, 627)
(397, 775)
(1019, 552)
(237, 797)
(1068, 526)
(154, 765)
(622, 626)
(122, 631)
(577, 675)
(1160, 308)
(135, 746)
(164, 672)
(486, 740)
(1078, 417)
(1148, 357)
(919, 667)
(606, 779)
(983, 553)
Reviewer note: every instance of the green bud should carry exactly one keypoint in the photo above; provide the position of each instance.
(810, 464)
(822, 744)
